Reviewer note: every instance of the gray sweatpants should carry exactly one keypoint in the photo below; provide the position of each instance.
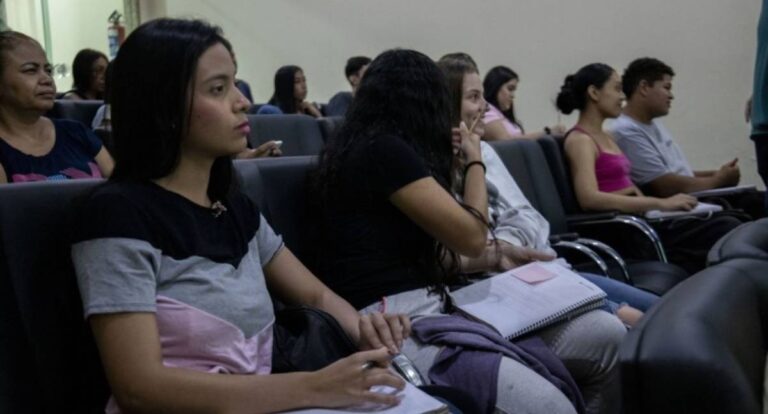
(587, 345)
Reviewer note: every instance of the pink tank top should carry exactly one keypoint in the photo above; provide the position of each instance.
(611, 170)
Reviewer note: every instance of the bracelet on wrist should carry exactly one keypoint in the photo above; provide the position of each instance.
(472, 163)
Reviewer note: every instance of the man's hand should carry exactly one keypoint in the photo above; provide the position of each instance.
(728, 175)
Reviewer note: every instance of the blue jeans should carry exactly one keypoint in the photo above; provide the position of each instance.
(619, 292)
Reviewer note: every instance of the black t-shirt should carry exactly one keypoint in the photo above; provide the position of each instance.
(72, 156)
(373, 249)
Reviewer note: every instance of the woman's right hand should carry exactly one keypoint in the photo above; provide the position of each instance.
(347, 382)
(470, 143)
(678, 202)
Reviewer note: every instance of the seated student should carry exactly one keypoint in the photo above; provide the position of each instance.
(390, 222)
(600, 170)
(354, 71)
(174, 264)
(519, 233)
(33, 147)
(103, 119)
(500, 84)
(658, 164)
(89, 71)
(290, 94)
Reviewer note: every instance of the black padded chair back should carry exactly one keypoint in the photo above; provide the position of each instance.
(702, 347)
(286, 185)
(748, 241)
(526, 162)
(82, 111)
(49, 359)
(329, 125)
(561, 172)
(250, 183)
(300, 133)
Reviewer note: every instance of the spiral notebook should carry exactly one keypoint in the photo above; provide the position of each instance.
(528, 297)
(412, 400)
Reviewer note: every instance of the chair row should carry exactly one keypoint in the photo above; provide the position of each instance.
(586, 235)
(286, 207)
(702, 348)
(82, 111)
(301, 134)
(49, 363)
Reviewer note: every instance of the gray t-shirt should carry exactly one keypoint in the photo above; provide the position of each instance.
(136, 243)
(651, 150)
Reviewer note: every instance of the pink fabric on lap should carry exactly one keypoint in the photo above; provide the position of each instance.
(197, 340)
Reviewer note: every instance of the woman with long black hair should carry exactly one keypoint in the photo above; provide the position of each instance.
(174, 264)
(290, 95)
(500, 85)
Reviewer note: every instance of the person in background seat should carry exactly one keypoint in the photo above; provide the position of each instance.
(89, 72)
(33, 147)
(354, 71)
(290, 96)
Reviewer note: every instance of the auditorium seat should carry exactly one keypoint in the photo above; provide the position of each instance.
(286, 200)
(526, 162)
(748, 241)
(701, 348)
(584, 222)
(48, 360)
(300, 134)
(329, 125)
(250, 183)
(82, 111)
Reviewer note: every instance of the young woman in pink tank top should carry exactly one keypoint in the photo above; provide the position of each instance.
(599, 169)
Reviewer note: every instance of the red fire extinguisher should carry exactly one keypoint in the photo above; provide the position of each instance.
(115, 33)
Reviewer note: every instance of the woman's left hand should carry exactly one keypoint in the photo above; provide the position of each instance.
(384, 329)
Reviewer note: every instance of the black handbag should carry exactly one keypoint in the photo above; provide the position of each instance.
(307, 339)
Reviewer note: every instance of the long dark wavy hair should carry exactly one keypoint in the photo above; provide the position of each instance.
(402, 94)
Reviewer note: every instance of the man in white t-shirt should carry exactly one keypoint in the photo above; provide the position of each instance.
(658, 165)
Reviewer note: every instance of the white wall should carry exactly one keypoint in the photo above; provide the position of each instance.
(24, 16)
(76, 25)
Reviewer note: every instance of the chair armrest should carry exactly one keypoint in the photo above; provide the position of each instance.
(556, 238)
(586, 251)
(633, 222)
(610, 252)
(586, 217)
